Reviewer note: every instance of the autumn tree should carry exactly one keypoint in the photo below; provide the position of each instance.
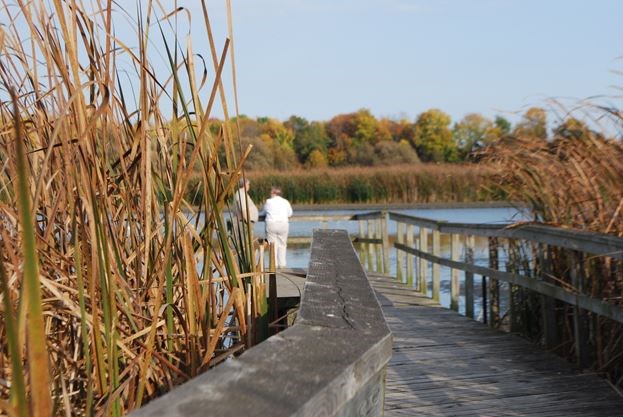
(393, 153)
(533, 124)
(432, 137)
(308, 138)
(472, 133)
(572, 128)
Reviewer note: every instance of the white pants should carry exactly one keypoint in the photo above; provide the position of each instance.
(277, 233)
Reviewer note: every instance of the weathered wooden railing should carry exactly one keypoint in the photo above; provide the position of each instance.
(568, 284)
(330, 363)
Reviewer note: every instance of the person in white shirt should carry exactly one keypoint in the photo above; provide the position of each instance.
(278, 210)
(245, 208)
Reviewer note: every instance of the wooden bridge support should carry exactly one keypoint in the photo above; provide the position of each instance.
(469, 277)
(494, 286)
(423, 272)
(455, 287)
(436, 266)
(410, 257)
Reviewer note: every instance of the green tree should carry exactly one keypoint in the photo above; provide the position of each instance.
(308, 137)
(503, 125)
(472, 133)
(432, 137)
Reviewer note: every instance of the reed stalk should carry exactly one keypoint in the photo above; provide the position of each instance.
(114, 290)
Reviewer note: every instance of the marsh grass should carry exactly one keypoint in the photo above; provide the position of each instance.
(112, 291)
(576, 181)
(416, 183)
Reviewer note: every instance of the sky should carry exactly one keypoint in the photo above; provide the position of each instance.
(398, 58)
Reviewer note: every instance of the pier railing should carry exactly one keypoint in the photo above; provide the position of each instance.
(331, 362)
(558, 286)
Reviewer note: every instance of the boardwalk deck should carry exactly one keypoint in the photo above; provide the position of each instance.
(444, 364)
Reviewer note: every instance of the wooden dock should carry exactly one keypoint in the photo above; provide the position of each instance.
(444, 364)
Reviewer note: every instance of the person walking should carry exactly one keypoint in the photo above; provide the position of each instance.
(278, 210)
(245, 208)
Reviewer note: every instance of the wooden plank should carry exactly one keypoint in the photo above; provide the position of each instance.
(358, 239)
(378, 249)
(494, 287)
(400, 255)
(368, 216)
(454, 274)
(469, 277)
(423, 264)
(416, 221)
(448, 365)
(410, 257)
(370, 235)
(385, 237)
(436, 266)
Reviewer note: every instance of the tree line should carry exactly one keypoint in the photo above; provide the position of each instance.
(361, 139)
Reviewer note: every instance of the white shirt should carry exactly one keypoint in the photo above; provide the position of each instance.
(243, 200)
(277, 209)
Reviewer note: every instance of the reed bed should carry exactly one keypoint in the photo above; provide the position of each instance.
(572, 181)
(417, 183)
(113, 288)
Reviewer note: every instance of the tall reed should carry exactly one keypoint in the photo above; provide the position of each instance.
(417, 183)
(115, 289)
(576, 181)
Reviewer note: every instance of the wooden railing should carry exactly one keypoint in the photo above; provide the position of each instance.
(529, 244)
(331, 362)
(521, 262)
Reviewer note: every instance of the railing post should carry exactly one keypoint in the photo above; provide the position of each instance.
(422, 284)
(399, 253)
(469, 277)
(410, 257)
(580, 325)
(370, 246)
(362, 246)
(436, 266)
(272, 289)
(494, 286)
(454, 278)
(551, 337)
(384, 223)
(378, 248)
(514, 291)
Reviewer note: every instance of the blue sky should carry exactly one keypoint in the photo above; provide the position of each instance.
(320, 58)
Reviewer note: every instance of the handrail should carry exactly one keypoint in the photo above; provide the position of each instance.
(331, 362)
(581, 240)
(594, 305)
(331, 217)
(578, 249)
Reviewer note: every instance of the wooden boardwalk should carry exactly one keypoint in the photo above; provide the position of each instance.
(444, 364)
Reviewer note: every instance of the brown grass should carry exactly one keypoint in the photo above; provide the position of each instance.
(416, 183)
(114, 290)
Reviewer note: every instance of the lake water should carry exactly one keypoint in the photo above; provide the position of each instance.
(298, 256)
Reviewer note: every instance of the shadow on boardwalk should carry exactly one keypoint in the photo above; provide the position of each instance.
(444, 364)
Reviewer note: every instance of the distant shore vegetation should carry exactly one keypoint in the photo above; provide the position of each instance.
(359, 158)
